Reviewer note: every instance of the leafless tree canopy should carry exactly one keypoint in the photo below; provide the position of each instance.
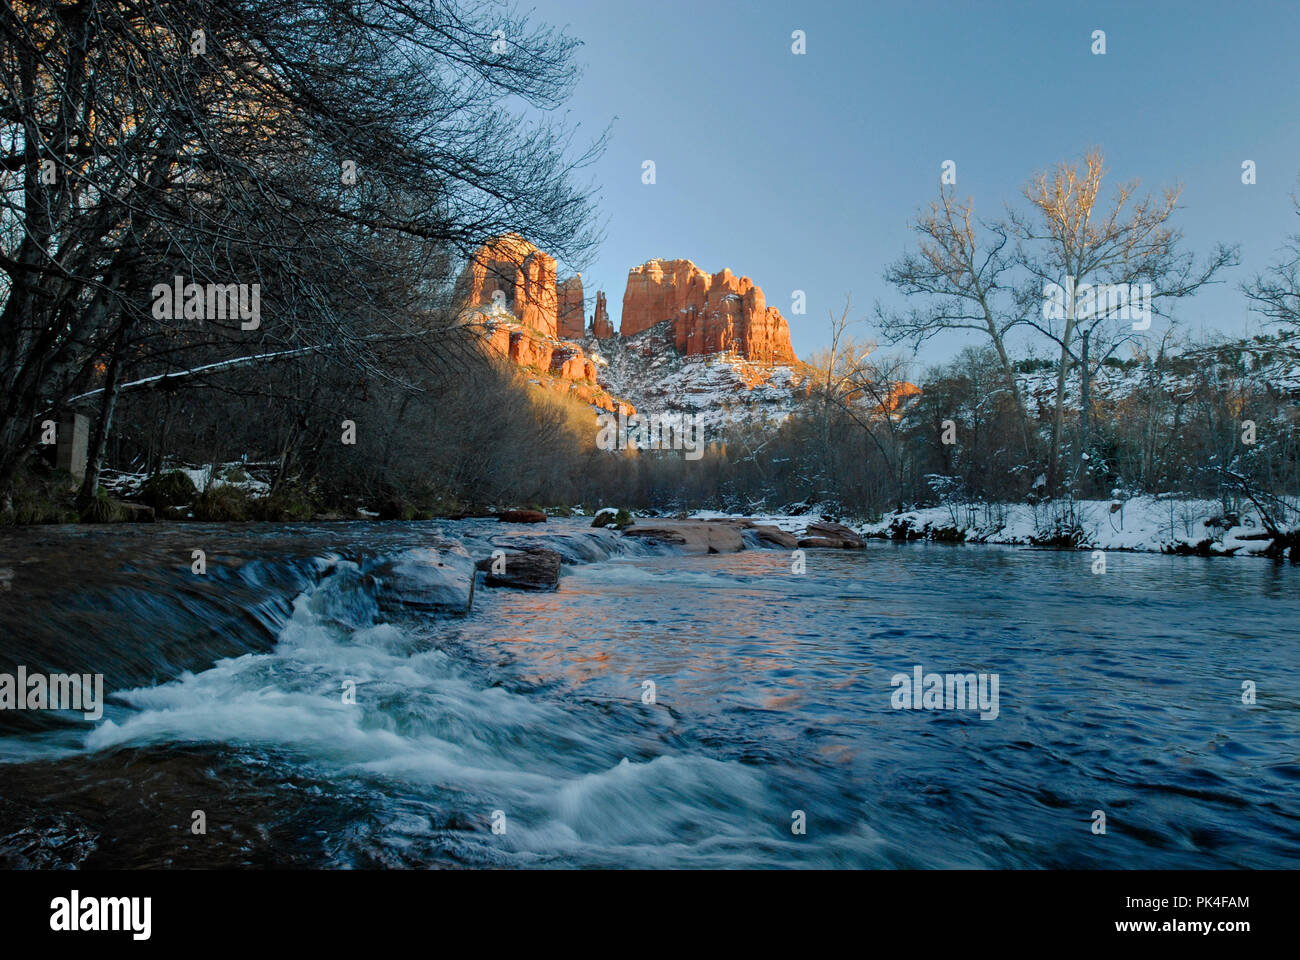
(344, 155)
(1072, 234)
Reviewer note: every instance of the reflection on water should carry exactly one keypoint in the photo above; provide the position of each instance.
(1119, 692)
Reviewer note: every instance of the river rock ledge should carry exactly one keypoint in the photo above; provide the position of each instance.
(726, 534)
(693, 536)
(533, 568)
(438, 578)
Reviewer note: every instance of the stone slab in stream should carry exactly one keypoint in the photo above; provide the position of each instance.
(535, 568)
(775, 536)
(830, 543)
(693, 536)
(522, 516)
(438, 578)
(837, 534)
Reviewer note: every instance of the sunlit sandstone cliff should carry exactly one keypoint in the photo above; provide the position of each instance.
(509, 292)
(671, 308)
(711, 313)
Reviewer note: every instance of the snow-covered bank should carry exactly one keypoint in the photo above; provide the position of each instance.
(1151, 524)
(1155, 524)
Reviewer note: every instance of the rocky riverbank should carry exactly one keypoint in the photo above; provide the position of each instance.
(1153, 524)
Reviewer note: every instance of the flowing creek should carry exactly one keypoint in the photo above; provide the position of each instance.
(772, 694)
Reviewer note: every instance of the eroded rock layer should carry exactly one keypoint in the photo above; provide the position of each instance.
(601, 328)
(571, 322)
(509, 289)
(512, 273)
(711, 313)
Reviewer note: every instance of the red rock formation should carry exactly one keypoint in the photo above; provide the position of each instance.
(571, 323)
(601, 328)
(659, 290)
(898, 396)
(529, 351)
(537, 308)
(710, 314)
(554, 364)
(524, 275)
(496, 337)
(570, 363)
(536, 317)
(563, 360)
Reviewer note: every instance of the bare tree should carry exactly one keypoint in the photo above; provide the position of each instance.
(1072, 239)
(963, 275)
(1276, 293)
(837, 369)
(245, 143)
(855, 387)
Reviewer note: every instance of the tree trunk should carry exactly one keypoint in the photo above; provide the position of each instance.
(1058, 423)
(1085, 397)
(1058, 415)
(1009, 370)
(99, 440)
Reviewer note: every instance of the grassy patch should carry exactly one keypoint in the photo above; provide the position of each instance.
(223, 504)
(169, 489)
(102, 510)
(41, 494)
(285, 505)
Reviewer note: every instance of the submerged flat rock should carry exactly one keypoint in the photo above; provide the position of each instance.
(534, 568)
(829, 543)
(693, 536)
(826, 530)
(775, 535)
(438, 578)
(522, 516)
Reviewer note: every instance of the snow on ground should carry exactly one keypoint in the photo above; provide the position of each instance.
(647, 371)
(236, 474)
(1275, 363)
(227, 475)
(1142, 524)
(783, 521)
(1156, 524)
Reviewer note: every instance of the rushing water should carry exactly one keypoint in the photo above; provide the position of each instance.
(1119, 692)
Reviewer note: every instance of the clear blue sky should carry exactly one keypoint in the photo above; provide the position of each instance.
(801, 172)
